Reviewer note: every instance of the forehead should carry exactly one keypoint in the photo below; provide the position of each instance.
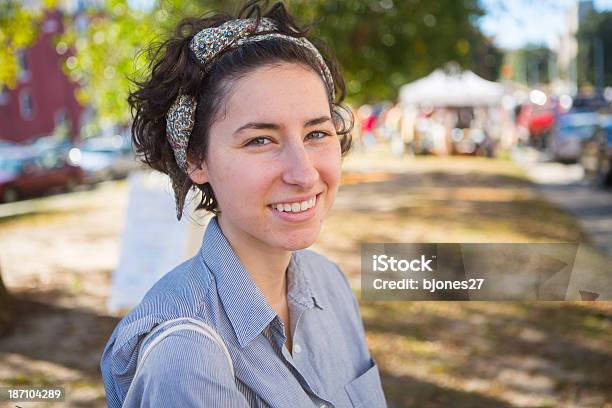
(278, 93)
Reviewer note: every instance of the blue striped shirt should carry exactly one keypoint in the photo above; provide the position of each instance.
(330, 365)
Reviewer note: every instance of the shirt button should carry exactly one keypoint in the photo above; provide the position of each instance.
(297, 348)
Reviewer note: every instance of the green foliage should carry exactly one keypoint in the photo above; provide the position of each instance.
(105, 55)
(597, 27)
(486, 59)
(18, 29)
(111, 51)
(380, 44)
(383, 44)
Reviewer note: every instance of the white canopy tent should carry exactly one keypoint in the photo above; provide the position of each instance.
(451, 89)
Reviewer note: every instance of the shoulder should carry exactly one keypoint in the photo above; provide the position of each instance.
(182, 292)
(190, 364)
(185, 362)
(187, 352)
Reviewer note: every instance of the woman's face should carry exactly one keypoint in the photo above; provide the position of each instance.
(274, 145)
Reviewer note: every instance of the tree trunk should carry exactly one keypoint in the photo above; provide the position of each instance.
(6, 308)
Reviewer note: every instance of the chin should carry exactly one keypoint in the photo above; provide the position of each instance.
(297, 247)
(298, 240)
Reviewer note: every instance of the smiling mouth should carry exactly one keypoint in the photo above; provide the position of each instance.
(296, 207)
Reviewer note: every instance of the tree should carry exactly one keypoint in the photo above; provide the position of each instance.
(381, 44)
(486, 58)
(18, 29)
(108, 50)
(104, 55)
(595, 50)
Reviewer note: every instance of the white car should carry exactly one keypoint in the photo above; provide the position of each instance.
(104, 158)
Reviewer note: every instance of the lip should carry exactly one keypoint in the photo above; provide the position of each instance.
(297, 217)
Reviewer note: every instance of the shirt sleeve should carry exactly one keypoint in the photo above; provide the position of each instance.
(186, 369)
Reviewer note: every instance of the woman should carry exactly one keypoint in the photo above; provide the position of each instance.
(247, 111)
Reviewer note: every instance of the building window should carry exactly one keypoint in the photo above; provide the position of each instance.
(24, 66)
(50, 26)
(26, 105)
(4, 96)
(60, 117)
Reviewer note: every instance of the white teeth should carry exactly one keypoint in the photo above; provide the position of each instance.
(296, 207)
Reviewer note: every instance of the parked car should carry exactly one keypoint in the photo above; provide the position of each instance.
(104, 158)
(60, 145)
(571, 134)
(25, 172)
(596, 157)
(7, 144)
(7, 147)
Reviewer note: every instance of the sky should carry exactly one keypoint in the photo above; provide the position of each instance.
(515, 23)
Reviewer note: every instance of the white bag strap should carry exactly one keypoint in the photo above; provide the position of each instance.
(189, 324)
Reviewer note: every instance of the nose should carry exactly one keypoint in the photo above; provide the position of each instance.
(299, 169)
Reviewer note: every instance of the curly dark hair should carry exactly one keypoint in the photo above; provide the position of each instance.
(174, 69)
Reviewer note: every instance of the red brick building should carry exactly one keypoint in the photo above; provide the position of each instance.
(44, 96)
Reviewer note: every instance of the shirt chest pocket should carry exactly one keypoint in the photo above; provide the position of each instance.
(366, 390)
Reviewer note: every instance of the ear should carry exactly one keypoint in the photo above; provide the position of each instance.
(197, 173)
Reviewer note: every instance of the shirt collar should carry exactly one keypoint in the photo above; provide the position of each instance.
(300, 289)
(244, 303)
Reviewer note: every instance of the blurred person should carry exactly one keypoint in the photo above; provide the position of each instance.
(381, 129)
(439, 134)
(367, 118)
(393, 124)
(407, 128)
(246, 111)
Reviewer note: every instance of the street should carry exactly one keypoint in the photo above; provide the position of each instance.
(563, 184)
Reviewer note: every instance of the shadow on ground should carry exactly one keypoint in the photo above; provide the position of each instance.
(548, 353)
(69, 337)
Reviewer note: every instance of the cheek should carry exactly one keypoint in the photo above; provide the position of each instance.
(330, 165)
(236, 179)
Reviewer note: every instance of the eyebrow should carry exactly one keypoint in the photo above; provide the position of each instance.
(274, 126)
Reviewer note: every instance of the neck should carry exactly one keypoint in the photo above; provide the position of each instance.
(267, 266)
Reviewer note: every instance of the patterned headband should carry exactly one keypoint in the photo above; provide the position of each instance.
(206, 46)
